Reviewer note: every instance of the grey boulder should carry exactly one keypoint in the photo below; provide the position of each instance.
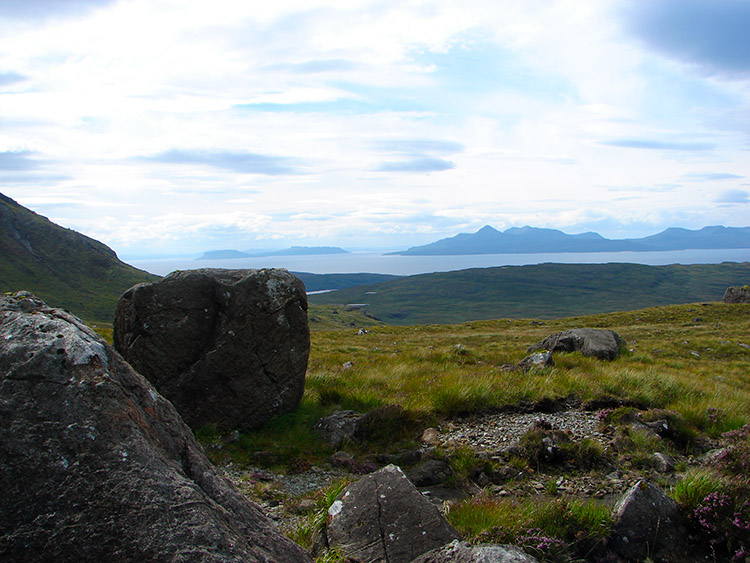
(599, 343)
(463, 552)
(383, 517)
(227, 347)
(97, 466)
(647, 523)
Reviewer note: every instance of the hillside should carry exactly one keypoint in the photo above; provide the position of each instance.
(488, 240)
(61, 266)
(542, 291)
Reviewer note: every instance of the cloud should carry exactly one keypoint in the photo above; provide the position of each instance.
(8, 78)
(711, 34)
(316, 66)
(659, 145)
(418, 146)
(733, 196)
(417, 165)
(48, 9)
(241, 162)
(18, 161)
(709, 176)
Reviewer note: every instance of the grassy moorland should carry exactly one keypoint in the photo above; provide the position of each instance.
(683, 357)
(688, 364)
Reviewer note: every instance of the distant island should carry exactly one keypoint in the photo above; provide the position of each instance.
(532, 240)
(292, 251)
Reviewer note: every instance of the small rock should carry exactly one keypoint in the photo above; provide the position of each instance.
(429, 473)
(663, 463)
(342, 459)
(539, 360)
(348, 365)
(233, 437)
(431, 436)
(339, 426)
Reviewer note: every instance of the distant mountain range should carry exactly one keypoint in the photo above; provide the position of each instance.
(292, 251)
(515, 240)
(63, 267)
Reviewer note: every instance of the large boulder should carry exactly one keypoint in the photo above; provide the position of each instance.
(600, 343)
(463, 552)
(227, 347)
(97, 466)
(737, 294)
(383, 517)
(647, 524)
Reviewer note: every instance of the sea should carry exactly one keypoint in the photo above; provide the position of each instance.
(379, 262)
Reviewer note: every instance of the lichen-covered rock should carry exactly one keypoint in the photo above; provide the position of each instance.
(227, 347)
(383, 517)
(463, 552)
(596, 342)
(98, 466)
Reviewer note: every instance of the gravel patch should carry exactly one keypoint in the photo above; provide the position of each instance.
(493, 432)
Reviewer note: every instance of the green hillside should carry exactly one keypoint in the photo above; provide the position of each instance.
(541, 291)
(64, 268)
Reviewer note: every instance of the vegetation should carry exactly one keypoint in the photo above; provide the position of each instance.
(543, 291)
(558, 529)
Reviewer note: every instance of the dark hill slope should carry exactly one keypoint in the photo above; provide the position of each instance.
(542, 291)
(61, 266)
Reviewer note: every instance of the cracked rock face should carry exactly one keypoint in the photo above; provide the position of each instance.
(383, 517)
(97, 466)
(227, 347)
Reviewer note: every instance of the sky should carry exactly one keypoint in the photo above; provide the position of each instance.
(167, 127)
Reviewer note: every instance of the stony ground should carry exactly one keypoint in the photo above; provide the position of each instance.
(285, 496)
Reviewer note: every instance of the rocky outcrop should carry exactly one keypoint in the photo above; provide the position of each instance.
(737, 294)
(647, 524)
(383, 517)
(599, 343)
(462, 552)
(97, 466)
(227, 347)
